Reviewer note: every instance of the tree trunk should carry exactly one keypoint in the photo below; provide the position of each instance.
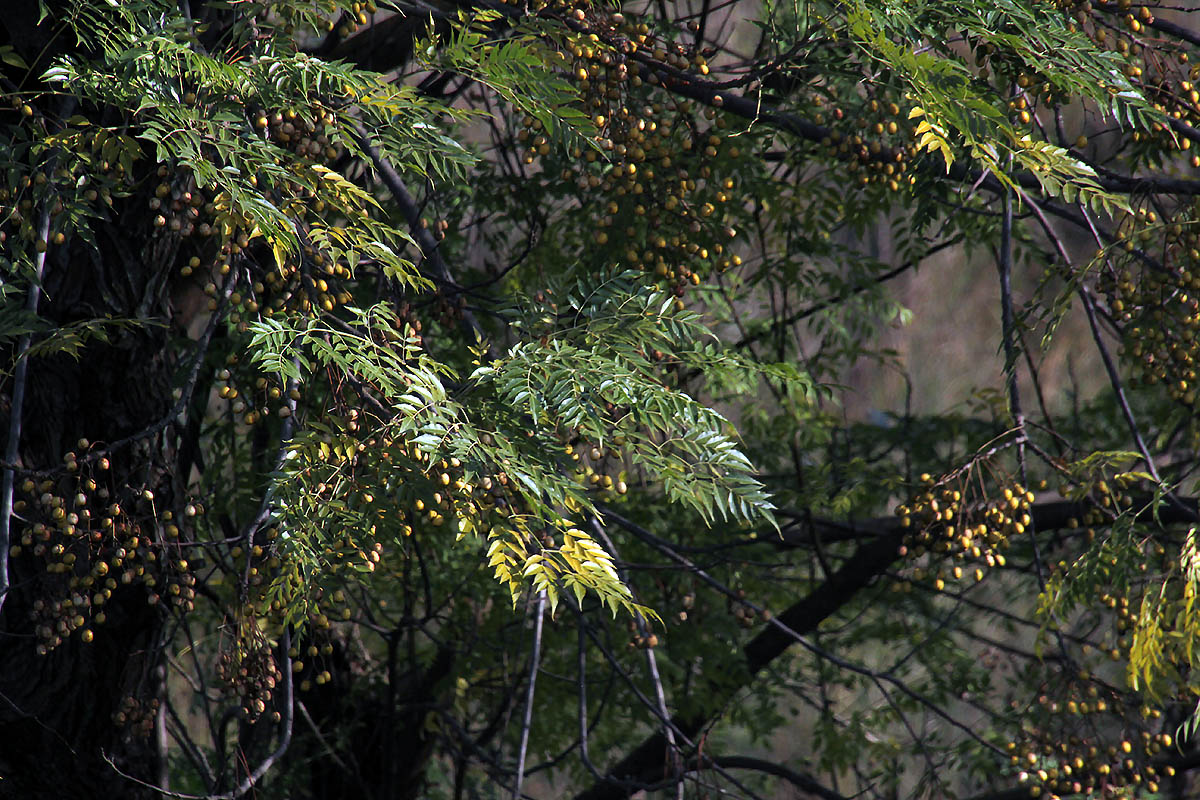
(71, 715)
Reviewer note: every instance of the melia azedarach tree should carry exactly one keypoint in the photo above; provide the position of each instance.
(445, 400)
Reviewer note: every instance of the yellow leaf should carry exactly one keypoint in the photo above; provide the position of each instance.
(280, 253)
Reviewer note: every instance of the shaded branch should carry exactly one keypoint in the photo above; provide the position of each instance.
(688, 85)
(802, 781)
(430, 253)
(868, 562)
(17, 406)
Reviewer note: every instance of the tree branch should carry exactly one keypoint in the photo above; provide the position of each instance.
(430, 251)
(17, 405)
(527, 719)
(868, 562)
(688, 85)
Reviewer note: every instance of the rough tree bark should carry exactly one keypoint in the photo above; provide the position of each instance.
(60, 711)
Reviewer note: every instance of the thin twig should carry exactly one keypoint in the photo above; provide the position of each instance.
(16, 407)
(583, 713)
(1114, 377)
(268, 499)
(1004, 265)
(20, 375)
(194, 753)
(660, 695)
(329, 751)
(774, 621)
(534, 660)
(803, 781)
(430, 251)
(833, 300)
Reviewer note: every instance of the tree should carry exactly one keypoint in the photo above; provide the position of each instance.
(448, 400)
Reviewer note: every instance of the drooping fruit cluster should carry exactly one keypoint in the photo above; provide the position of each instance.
(92, 541)
(248, 668)
(598, 468)
(1157, 298)
(661, 166)
(973, 532)
(309, 663)
(1054, 765)
(136, 716)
